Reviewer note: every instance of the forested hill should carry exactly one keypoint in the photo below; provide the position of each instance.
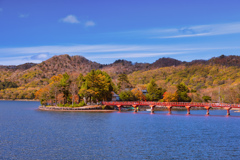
(19, 67)
(204, 75)
(75, 64)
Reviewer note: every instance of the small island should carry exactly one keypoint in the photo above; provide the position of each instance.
(81, 93)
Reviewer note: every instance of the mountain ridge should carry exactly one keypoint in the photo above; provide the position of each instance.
(78, 64)
(231, 60)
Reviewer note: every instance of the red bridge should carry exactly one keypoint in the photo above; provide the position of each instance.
(169, 105)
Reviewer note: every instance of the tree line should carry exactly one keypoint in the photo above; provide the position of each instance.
(65, 89)
(97, 85)
(156, 93)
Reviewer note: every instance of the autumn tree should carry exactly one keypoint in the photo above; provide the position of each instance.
(182, 91)
(55, 86)
(206, 98)
(87, 94)
(138, 94)
(105, 86)
(154, 92)
(97, 86)
(123, 82)
(170, 97)
(127, 96)
(43, 95)
(80, 80)
(73, 90)
(64, 83)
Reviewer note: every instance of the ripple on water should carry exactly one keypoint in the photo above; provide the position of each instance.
(30, 134)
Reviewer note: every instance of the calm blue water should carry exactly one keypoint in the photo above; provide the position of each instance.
(26, 133)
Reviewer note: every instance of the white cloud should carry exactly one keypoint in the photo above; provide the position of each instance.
(133, 55)
(23, 15)
(40, 53)
(40, 56)
(70, 19)
(89, 24)
(17, 60)
(85, 49)
(187, 35)
(188, 31)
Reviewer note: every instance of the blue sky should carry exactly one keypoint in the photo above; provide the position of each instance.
(107, 30)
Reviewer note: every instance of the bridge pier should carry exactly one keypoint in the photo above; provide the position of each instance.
(207, 108)
(188, 109)
(228, 111)
(152, 108)
(119, 107)
(135, 108)
(169, 109)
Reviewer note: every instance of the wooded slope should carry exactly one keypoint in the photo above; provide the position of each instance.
(207, 76)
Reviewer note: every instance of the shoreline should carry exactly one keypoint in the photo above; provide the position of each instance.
(25, 100)
(78, 110)
(94, 108)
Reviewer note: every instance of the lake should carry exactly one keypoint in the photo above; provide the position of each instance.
(27, 133)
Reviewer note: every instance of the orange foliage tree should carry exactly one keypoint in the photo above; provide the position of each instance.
(170, 97)
(138, 94)
(43, 95)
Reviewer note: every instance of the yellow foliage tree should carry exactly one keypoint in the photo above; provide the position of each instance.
(56, 78)
(170, 97)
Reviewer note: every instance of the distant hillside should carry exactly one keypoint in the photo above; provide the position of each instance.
(225, 60)
(65, 63)
(23, 74)
(53, 66)
(165, 62)
(198, 74)
(208, 80)
(123, 66)
(28, 72)
(18, 67)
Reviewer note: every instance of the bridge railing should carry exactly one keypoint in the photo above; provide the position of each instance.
(192, 104)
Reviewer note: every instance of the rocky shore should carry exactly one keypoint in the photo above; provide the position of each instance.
(93, 108)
